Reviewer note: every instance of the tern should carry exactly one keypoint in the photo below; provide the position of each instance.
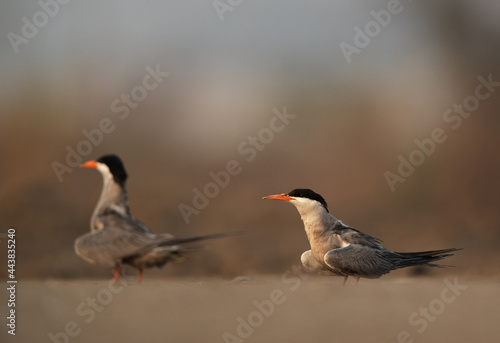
(338, 249)
(116, 237)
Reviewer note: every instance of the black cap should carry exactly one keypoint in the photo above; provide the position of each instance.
(309, 194)
(115, 166)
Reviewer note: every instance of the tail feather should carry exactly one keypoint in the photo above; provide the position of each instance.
(408, 259)
(167, 245)
(174, 241)
(430, 252)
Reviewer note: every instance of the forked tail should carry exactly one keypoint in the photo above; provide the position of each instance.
(424, 258)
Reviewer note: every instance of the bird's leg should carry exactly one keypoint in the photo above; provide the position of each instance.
(140, 275)
(357, 280)
(117, 273)
(345, 280)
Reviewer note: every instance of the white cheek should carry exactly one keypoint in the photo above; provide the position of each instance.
(104, 171)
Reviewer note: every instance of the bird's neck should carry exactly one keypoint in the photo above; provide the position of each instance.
(320, 234)
(317, 222)
(113, 197)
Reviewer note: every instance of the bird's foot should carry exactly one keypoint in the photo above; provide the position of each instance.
(117, 274)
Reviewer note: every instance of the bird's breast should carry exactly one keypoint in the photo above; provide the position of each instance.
(321, 244)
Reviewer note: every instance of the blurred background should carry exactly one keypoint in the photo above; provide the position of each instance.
(229, 66)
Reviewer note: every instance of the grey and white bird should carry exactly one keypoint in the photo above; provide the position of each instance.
(338, 249)
(116, 237)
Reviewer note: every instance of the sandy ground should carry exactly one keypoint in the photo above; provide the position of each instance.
(292, 307)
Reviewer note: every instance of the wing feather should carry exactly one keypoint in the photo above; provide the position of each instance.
(359, 260)
(353, 236)
(118, 238)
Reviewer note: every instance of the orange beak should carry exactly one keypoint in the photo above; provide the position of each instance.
(282, 197)
(89, 164)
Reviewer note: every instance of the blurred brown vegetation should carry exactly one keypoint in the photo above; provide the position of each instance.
(350, 129)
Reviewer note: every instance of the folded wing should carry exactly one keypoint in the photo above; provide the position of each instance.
(359, 260)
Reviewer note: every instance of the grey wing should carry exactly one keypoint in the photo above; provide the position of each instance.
(112, 218)
(110, 245)
(353, 236)
(359, 260)
(139, 226)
